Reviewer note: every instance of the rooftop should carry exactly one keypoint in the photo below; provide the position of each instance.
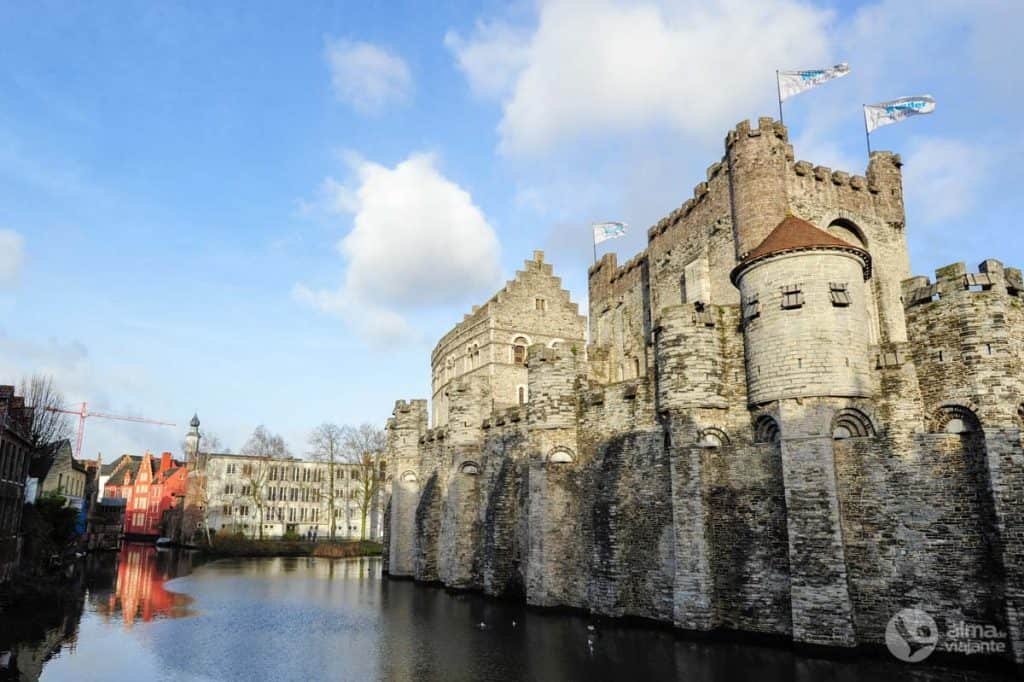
(796, 234)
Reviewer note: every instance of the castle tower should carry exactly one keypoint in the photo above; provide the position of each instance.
(805, 315)
(805, 319)
(554, 532)
(407, 424)
(758, 162)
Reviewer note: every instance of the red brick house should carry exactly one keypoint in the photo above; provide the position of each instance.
(150, 488)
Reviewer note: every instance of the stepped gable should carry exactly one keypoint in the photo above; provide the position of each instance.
(796, 234)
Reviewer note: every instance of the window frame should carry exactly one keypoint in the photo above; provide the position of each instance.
(792, 296)
(839, 293)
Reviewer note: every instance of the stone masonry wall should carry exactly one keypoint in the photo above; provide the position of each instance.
(657, 473)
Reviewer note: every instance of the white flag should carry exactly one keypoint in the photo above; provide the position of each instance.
(884, 113)
(794, 82)
(606, 231)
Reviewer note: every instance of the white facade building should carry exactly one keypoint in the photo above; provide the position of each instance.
(293, 494)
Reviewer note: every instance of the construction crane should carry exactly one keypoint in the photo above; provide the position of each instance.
(83, 412)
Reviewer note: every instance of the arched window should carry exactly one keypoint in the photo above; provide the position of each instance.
(636, 367)
(954, 419)
(469, 468)
(766, 430)
(560, 456)
(521, 395)
(712, 437)
(410, 477)
(682, 288)
(848, 232)
(850, 423)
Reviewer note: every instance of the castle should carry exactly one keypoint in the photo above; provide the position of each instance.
(773, 428)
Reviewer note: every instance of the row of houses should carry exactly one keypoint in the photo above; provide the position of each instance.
(151, 489)
(150, 496)
(30, 471)
(15, 458)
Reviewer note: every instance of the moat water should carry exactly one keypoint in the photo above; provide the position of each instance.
(148, 615)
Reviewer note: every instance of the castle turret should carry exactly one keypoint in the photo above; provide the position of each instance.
(407, 424)
(758, 159)
(805, 315)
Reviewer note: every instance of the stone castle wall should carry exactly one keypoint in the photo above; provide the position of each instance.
(802, 472)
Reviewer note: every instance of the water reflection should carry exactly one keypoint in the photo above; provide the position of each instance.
(313, 619)
(139, 590)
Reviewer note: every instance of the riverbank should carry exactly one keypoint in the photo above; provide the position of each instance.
(246, 547)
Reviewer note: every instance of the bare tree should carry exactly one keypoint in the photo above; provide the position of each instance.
(266, 444)
(326, 445)
(42, 394)
(208, 442)
(363, 446)
(261, 447)
(255, 474)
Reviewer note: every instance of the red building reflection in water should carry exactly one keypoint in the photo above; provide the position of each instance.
(139, 591)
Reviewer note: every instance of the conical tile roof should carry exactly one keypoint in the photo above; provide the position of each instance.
(796, 234)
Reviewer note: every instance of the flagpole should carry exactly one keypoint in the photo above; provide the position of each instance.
(867, 134)
(778, 90)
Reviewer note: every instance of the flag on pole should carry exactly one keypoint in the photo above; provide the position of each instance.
(606, 231)
(794, 82)
(894, 111)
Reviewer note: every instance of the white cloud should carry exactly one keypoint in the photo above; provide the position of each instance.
(118, 388)
(366, 76)
(418, 239)
(493, 58)
(12, 255)
(595, 67)
(942, 177)
(380, 325)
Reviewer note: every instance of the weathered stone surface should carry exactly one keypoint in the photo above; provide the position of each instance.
(721, 455)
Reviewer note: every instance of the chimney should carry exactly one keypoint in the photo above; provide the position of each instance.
(165, 461)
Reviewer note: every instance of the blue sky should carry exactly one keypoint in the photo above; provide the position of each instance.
(270, 214)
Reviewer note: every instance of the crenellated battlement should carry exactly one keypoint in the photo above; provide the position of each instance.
(438, 433)
(608, 265)
(539, 353)
(507, 417)
(991, 276)
(405, 406)
(857, 183)
(702, 193)
(766, 126)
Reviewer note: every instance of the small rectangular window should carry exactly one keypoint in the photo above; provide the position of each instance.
(840, 294)
(751, 308)
(541, 304)
(792, 297)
